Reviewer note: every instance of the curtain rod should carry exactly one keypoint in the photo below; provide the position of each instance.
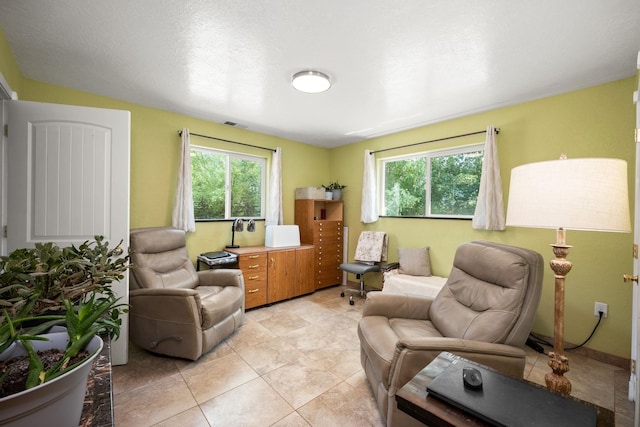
(434, 140)
(226, 140)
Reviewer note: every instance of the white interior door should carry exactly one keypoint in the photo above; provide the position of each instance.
(68, 181)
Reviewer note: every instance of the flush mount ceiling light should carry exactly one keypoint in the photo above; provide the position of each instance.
(311, 81)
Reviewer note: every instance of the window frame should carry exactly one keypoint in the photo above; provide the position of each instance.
(262, 161)
(429, 156)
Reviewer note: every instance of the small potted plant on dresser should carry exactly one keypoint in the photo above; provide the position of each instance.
(336, 189)
(55, 304)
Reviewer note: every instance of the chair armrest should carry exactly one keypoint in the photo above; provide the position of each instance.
(183, 292)
(386, 269)
(167, 321)
(221, 277)
(413, 354)
(459, 346)
(168, 304)
(390, 266)
(392, 305)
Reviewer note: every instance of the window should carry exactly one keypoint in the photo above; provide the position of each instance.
(227, 185)
(435, 184)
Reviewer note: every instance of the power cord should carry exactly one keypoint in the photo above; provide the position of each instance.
(534, 341)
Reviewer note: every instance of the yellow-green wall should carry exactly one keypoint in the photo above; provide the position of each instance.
(8, 66)
(155, 154)
(594, 122)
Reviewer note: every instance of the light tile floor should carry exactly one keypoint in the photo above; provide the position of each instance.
(296, 363)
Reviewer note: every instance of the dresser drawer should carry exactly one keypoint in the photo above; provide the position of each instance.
(255, 275)
(327, 240)
(255, 293)
(333, 234)
(328, 277)
(333, 252)
(253, 262)
(327, 227)
(254, 271)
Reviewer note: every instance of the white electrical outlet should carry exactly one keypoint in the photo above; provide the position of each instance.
(600, 307)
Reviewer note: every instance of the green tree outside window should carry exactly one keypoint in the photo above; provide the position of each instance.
(227, 185)
(436, 184)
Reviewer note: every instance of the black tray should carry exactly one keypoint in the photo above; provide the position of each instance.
(505, 401)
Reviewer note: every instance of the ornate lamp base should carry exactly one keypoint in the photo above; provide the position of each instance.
(558, 362)
(555, 380)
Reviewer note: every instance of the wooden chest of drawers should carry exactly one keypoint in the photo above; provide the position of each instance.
(321, 224)
(254, 270)
(328, 240)
(275, 274)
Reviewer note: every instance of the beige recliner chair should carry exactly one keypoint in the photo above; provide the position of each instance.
(483, 313)
(176, 310)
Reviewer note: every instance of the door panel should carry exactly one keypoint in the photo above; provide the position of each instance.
(280, 270)
(68, 181)
(304, 271)
(68, 177)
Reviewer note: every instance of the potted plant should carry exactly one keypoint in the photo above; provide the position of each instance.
(68, 289)
(336, 189)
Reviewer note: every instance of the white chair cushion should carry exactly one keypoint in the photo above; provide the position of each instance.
(428, 286)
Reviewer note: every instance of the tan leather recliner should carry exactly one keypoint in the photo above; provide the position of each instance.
(176, 310)
(483, 313)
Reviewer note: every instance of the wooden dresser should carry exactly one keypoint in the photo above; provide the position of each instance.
(275, 274)
(322, 225)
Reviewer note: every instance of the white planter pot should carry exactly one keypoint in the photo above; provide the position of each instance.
(57, 402)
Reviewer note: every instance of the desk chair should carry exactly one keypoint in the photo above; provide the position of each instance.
(370, 252)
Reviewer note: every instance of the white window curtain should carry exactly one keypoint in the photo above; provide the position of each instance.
(274, 203)
(183, 215)
(489, 214)
(369, 208)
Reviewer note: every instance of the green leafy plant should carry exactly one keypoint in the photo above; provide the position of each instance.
(334, 185)
(47, 286)
(56, 274)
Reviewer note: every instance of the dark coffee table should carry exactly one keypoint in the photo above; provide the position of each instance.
(414, 400)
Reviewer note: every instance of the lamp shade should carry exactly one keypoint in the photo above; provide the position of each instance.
(573, 194)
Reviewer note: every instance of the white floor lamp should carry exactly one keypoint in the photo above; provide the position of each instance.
(578, 194)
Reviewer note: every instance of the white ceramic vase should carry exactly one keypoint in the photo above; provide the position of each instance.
(58, 402)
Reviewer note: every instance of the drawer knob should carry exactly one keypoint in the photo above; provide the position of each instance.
(253, 291)
(253, 277)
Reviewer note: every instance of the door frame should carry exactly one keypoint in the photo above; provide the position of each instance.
(6, 94)
(634, 379)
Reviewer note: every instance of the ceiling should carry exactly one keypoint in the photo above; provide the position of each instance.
(394, 65)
